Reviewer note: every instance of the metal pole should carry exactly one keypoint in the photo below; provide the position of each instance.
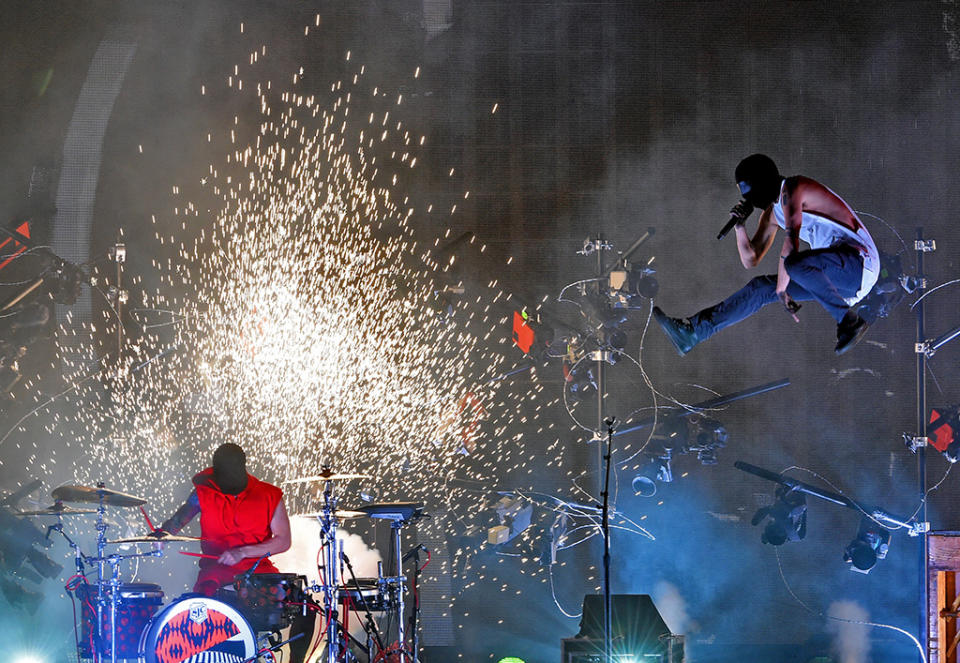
(601, 388)
(607, 601)
(401, 608)
(921, 451)
(328, 530)
(600, 378)
(101, 546)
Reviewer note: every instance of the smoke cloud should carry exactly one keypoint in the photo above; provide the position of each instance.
(305, 543)
(673, 608)
(851, 641)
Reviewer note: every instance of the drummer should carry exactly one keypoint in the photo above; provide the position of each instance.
(242, 522)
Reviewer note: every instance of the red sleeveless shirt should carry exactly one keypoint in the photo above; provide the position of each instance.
(229, 521)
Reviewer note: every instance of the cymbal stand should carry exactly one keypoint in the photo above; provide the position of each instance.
(114, 582)
(101, 546)
(331, 579)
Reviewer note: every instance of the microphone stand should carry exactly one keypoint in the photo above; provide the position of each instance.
(605, 526)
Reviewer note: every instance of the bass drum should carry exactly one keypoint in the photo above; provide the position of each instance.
(197, 629)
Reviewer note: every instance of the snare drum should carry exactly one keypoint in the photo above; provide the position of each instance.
(377, 595)
(138, 603)
(197, 628)
(269, 600)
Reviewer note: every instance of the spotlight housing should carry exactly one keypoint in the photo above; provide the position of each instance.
(870, 545)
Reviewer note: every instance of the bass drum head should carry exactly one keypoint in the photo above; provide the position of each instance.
(197, 629)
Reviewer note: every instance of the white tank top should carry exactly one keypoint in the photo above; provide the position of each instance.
(822, 233)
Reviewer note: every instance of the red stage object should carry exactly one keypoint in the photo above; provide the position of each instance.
(523, 334)
(23, 230)
(944, 433)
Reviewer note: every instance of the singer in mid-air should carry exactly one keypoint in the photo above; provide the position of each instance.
(838, 270)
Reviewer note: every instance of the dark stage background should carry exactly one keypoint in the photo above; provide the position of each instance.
(611, 117)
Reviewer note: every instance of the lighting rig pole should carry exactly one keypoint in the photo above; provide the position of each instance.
(604, 446)
(919, 441)
(603, 455)
(922, 246)
(599, 358)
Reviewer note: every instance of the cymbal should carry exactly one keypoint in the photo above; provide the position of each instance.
(88, 494)
(57, 509)
(329, 476)
(169, 538)
(339, 513)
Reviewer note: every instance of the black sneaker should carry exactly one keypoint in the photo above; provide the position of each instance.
(680, 332)
(850, 331)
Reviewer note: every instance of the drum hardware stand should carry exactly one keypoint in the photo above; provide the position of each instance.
(401, 581)
(114, 582)
(272, 648)
(399, 514)
(114, 599)
(330, 568)
(370, 626)
(415, 613)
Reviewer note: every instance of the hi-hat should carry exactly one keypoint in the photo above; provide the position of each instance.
(88, 494)
(342, 514)
(57, 509)
(168, 538)
(329, 476)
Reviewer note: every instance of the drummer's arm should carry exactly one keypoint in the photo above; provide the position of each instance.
(278, 542)
(187, 511)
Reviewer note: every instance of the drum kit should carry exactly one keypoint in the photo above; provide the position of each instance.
(128, 620)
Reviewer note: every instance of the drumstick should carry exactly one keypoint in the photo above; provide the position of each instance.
(193, 554)
(149, 524)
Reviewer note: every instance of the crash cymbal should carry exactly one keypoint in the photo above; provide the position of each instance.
(56, 510)
(340, 513)
(169, 538)
(329, 476)
(88, 494)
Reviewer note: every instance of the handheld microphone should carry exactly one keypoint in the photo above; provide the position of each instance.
(738, 214)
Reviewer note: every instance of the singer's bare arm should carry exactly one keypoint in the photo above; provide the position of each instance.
(278, 542)
(753, 249)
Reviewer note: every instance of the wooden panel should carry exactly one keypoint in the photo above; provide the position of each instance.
(944, 552)
(943, 564)
(946, 628)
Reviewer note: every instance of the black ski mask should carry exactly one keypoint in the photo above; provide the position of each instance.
(759, 180)
(230, 468)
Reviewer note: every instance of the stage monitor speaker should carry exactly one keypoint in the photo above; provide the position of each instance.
(638, 631)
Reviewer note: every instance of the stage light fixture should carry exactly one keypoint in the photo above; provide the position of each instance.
(29, 658)
(870, 545)
(658, 469)
(787, 517)
(511, 659)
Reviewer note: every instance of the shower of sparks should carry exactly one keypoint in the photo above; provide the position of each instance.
(305, 318)
(311, 328)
